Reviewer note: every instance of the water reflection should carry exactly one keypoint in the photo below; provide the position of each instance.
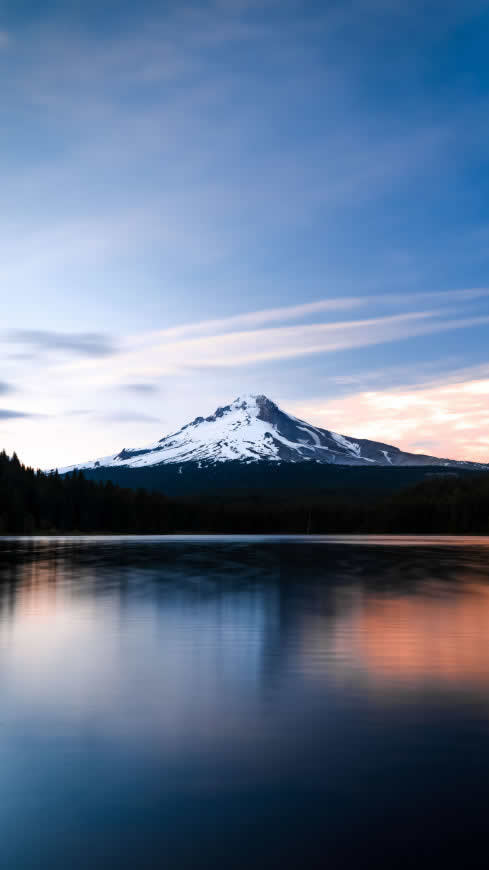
(244, 617)
(437, 639)
(301, 690)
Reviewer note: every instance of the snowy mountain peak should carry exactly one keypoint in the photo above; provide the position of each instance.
(253, 404)
(254, 429)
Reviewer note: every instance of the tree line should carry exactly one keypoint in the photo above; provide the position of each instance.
(35, 502)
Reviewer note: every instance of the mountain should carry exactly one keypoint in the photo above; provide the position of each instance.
(252, 430)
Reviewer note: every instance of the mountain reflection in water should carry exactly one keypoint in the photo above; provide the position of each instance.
(228, 702)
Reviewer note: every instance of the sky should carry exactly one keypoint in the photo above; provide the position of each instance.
(205, 199)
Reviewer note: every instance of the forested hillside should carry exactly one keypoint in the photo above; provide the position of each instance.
(31, 501)
(233, 478)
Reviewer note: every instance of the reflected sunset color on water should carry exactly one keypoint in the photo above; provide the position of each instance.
(318, 694)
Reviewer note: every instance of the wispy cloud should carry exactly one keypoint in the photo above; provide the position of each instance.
(156, 354)
(282, 314)
(8, 414)
(129, 417)
(450, 420)
(36, 342)
(141, 389)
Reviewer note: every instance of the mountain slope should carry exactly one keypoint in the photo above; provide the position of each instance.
(253, 429)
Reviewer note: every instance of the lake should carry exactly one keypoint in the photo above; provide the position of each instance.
(243, 702)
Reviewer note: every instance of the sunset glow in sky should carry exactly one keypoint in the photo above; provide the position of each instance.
(205, 199)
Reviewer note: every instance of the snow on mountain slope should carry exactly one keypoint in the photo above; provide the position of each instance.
(253, 429)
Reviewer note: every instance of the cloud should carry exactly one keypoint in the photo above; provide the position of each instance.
(282, 314)
(37, 342)
(5, 388)
(449, 420)
(129, 417)
(249, 320)
(167, 352)
(259, 318)
(79, 412)
(424, 446)
(142, 389)
(114, 416)
(7, 414)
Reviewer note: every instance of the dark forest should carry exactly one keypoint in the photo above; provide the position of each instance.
(34, 502)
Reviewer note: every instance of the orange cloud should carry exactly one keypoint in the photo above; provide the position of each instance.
(450, 421)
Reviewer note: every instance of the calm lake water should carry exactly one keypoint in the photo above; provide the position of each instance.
(245, 702)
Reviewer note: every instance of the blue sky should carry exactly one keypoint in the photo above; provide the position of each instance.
(263, 176)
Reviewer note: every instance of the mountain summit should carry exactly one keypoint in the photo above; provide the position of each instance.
(255, 429)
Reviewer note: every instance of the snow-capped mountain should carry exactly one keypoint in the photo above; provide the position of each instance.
(254, 429)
